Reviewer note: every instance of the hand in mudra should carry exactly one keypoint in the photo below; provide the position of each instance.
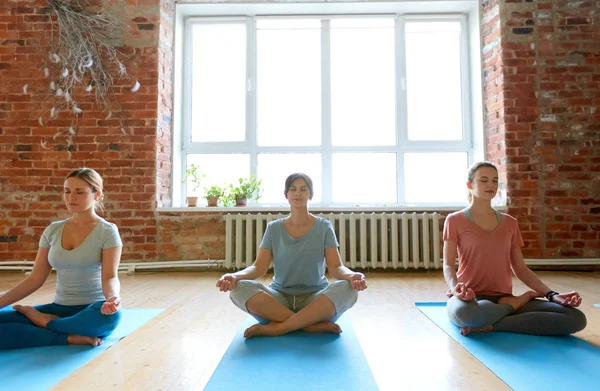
(570, 299)
(110, 306)
(226, 282)
(358, 281)
(462, 292)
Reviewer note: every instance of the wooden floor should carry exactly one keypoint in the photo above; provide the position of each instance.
(180, 348)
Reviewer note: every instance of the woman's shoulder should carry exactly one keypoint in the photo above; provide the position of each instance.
(107, 225)
(459, 215)
(322, 221)
(507, 217)
(55, 226)
(276, 223)
(323, 226)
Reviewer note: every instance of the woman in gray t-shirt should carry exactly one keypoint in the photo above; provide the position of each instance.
(301, 246)
(85, 250)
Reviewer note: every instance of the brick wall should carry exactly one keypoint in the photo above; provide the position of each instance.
(541, 81)
(550, 88)
(31, 176)
(165, 104)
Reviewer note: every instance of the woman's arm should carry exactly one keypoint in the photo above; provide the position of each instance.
(458, 289)
(111, 286)
(525, 274)
(529, 278)
(334, 265)
(450, 253)
(39, 275)
(257, 270)
(340, 272)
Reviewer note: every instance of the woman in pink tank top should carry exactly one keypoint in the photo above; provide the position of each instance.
(488, 245)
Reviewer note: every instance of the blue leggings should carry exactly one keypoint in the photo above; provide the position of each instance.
(16, 331)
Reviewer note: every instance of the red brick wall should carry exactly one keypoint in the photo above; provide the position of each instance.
(191, 236)
(31, 177)
(493, 87)
(164, 134)
(542, 83)
(550, 52)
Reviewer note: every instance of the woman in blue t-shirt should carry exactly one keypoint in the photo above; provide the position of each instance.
(85, 250)
(299, 297)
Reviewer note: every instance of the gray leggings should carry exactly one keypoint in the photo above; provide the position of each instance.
(539, 317)
(341, 294)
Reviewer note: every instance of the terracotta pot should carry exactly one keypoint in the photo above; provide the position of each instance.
(242, 201)
(212, 201)
(192, 201)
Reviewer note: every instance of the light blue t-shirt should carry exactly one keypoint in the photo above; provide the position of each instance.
(79, 271)
(299, 263)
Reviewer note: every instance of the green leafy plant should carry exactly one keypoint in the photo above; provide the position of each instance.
(227, 199)
(214, 191)
(213, 195)
(194, 177)
(245, 189)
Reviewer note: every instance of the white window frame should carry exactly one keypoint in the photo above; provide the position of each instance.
(472, 116)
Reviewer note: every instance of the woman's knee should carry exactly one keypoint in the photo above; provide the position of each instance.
(463, 313)
(105, 322)
(342, 295)
(344, 288)
(243, 291)
(90, 322)
(242, 288)
(245, 284)
(578, 320)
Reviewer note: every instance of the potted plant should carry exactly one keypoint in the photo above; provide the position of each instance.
(213, 194)
(246, 189)
(193, 177)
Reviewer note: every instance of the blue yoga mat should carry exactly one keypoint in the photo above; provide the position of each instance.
(527, 362)
(42, 368)
(295, 361)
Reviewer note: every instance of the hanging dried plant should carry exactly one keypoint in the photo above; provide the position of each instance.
(83, 61)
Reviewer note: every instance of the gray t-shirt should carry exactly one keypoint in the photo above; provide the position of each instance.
(79, 271)
(299, 263)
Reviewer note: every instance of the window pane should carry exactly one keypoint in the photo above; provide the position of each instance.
(218, 82)
(273, 169)
(362, 82)
(364, 178)
(435, 177)
(433, 82)
(220, 169)
(287, 24)
(289, 85)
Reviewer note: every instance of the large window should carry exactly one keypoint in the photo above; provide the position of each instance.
(374, 108)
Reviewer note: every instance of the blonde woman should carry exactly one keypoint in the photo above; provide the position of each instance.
(85, 250)
(488, 244)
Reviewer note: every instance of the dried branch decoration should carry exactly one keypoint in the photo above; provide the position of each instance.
(83, 60)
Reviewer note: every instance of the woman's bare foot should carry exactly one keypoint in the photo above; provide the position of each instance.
(271, 329)
(517, 302)
(74, 339)
(468, 330)
(36, 317)
(323, 327)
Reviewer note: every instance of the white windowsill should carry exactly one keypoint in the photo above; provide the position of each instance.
(349, 209)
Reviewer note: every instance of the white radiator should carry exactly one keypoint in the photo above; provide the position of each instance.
(367, 240)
